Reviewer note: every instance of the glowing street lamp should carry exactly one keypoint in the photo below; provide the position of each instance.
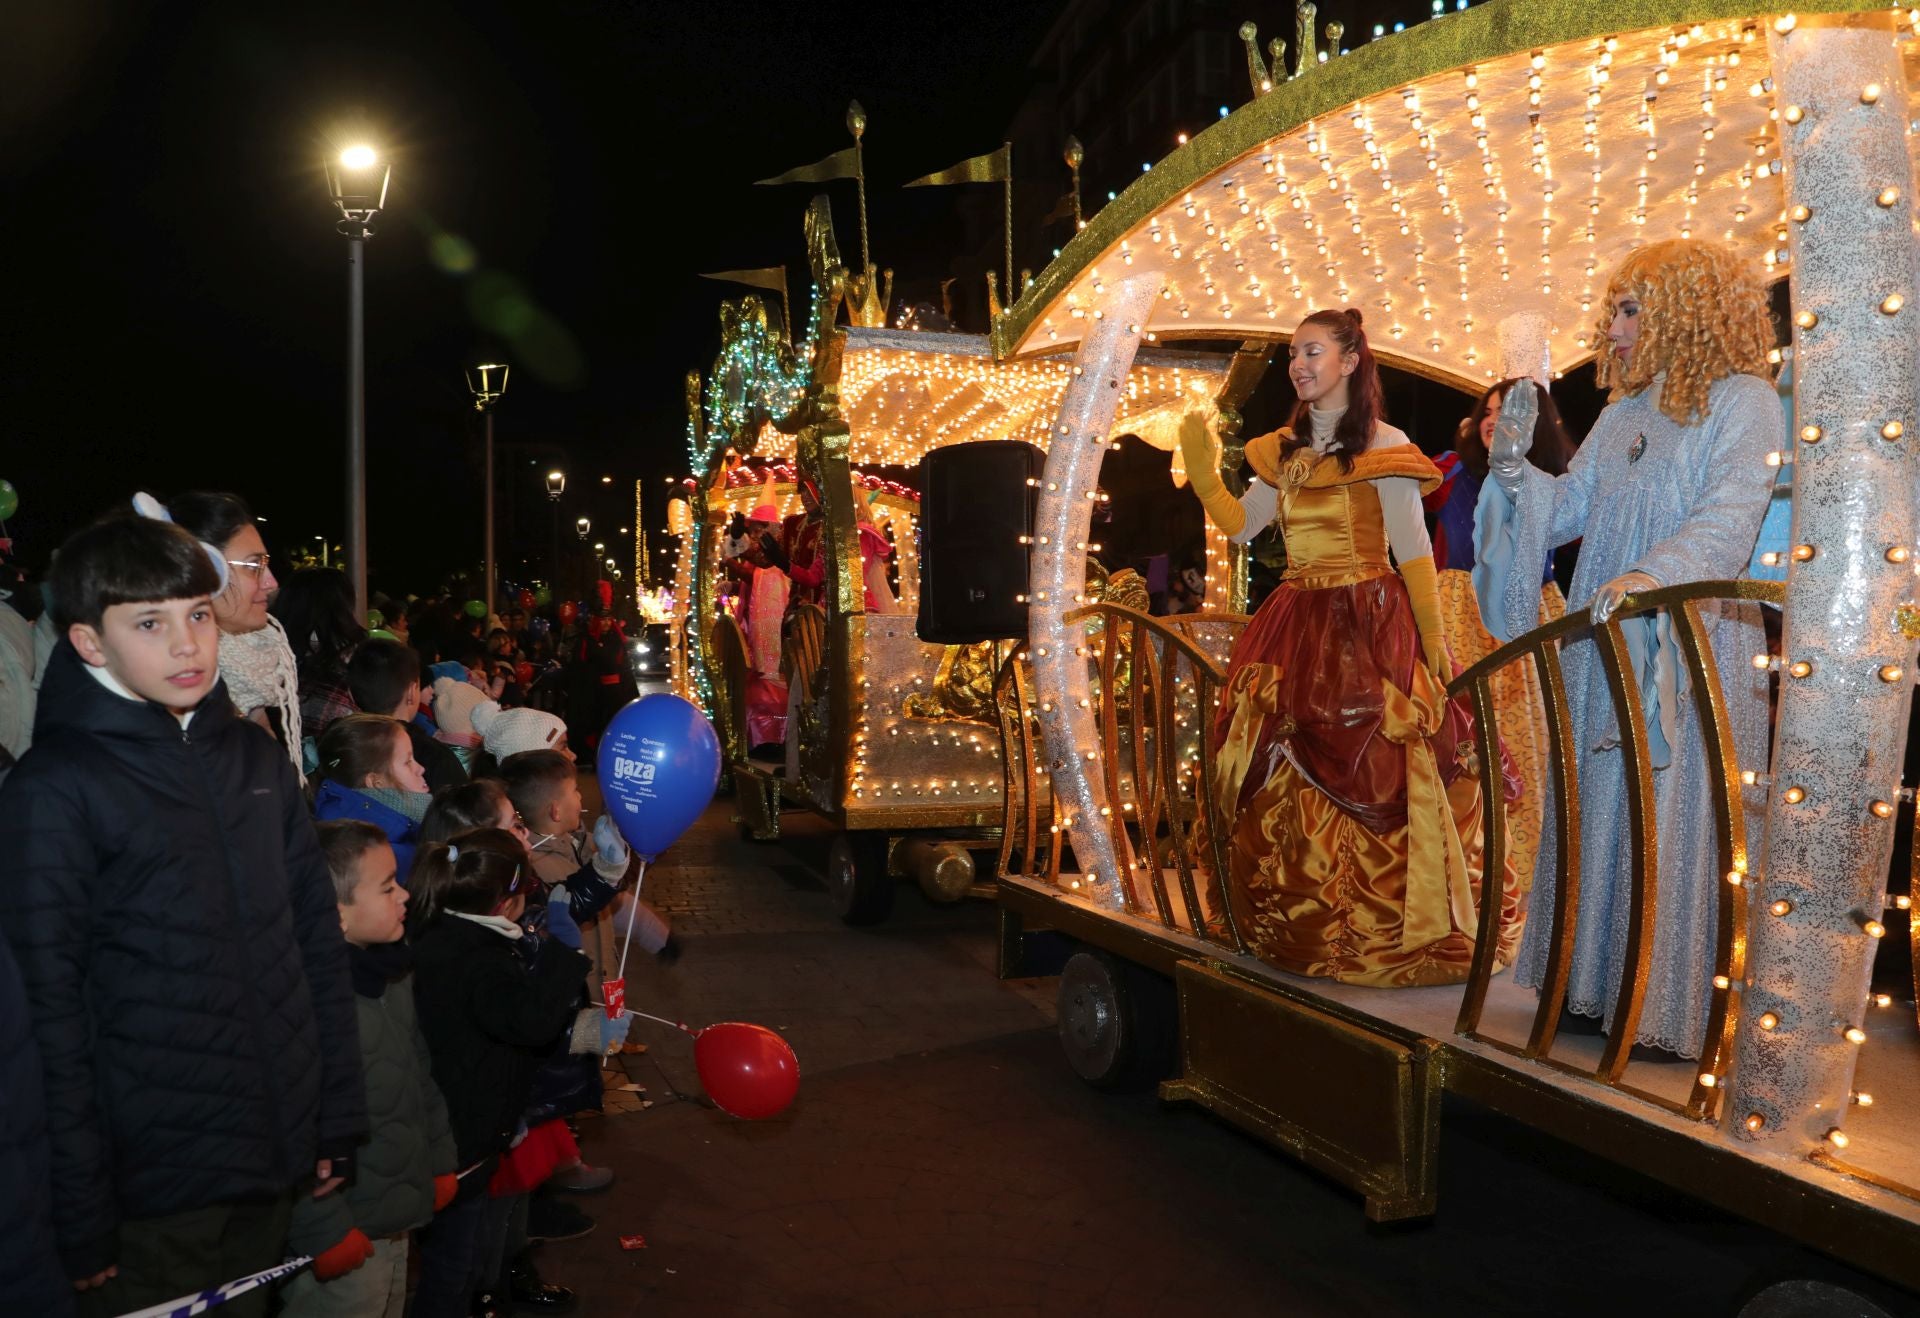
(556, 485)
(583, 527)
(488, 385)
(357, 179)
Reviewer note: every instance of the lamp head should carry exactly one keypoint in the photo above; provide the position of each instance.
(487, 383)
(556, 484)
(583, 527)
(357, 178)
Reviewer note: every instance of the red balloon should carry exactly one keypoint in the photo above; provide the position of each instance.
(569, 611)
(749, 1071)
(524, 599)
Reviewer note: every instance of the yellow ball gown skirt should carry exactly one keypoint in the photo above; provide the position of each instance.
(1355, 849)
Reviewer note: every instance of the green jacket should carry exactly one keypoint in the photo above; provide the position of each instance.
(409, 1140)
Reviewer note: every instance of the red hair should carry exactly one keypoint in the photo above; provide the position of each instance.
(1366, 406)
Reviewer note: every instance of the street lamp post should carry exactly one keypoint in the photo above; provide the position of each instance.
(358, 180)
(488, 384)
(556, 486)
(583, 527)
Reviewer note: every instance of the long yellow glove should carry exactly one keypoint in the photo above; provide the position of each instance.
(1203, 473)
(1423, 591)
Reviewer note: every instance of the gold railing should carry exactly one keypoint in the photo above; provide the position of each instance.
(1158, 682)
(730, 684)
(1028, 792)
(1682, 604)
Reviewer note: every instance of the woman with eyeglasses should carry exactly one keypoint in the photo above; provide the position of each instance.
(488, 1019)
(255, 658)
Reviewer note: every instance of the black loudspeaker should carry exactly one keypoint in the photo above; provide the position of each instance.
(976, 526)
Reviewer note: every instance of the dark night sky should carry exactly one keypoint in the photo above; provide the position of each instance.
(177, 294)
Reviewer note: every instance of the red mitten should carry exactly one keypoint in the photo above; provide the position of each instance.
(445, 1187)
(353, 1250)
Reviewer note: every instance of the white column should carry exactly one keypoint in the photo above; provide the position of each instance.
(1061, 530)
(1821, 889)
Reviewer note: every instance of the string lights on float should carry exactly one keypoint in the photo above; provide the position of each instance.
(1383, 175)
(1841, 94)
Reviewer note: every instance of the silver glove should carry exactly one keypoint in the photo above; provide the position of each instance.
(1612, 594)
(1513, 439)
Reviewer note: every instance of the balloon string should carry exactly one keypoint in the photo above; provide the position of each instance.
(638, 879)
(678, 1025)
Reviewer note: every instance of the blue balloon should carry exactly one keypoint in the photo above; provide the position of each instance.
(659, 763)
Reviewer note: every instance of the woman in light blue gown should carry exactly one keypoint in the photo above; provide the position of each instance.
(1670, 487)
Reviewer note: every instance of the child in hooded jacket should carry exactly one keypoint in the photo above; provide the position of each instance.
(404, 1173)
(368, 772)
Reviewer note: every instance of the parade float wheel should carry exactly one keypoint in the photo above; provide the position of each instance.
(857, 877)
(1810, 1299)
(1118, 1023)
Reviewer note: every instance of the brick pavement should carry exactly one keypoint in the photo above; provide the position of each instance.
(941, 1159)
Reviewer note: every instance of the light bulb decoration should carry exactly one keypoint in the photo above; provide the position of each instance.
(1061, 680)
(1843, 168)
(1388, 169)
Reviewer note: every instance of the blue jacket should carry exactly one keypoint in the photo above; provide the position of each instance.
(337, 801)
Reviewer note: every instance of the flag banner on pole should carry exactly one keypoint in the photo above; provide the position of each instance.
(188, 1305)
(844, 163)
(773, 278)
(993, 167)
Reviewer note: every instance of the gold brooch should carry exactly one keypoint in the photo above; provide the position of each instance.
(1468, 758)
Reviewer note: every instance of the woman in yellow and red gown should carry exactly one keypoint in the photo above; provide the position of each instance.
(1349, 780)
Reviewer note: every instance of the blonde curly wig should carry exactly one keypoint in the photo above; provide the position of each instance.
(1703, 317)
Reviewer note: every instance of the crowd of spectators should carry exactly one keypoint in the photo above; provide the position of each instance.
(306, 928)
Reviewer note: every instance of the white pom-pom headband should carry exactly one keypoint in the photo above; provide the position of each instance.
(152, 509)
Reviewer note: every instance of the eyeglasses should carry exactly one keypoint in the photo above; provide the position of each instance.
(257, 566)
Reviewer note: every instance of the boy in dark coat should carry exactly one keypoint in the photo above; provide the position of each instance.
(404, 1174)
(176, 934)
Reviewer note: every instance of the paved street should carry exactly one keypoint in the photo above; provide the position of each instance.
(942, 1159)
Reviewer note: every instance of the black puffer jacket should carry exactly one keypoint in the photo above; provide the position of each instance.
(30, 1273)
(175, 926)
(489, 1020)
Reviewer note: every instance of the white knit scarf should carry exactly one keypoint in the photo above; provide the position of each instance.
(260, 673)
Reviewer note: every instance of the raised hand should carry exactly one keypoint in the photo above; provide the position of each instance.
(1513, 438)
(608, 843)
(1197, 449)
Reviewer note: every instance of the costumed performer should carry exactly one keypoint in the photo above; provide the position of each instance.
(1516, 687)
(1669, 487)
(1355, 848)
(764, 589)
(810, 574)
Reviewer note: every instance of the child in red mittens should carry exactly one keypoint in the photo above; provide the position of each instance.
(405, 1172)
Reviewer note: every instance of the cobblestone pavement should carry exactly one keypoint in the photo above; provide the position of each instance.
(942, 1159)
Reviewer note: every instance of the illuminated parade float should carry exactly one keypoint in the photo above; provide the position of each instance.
(1699, 891)
(844, 710)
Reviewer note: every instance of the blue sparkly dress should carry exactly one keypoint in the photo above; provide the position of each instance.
(1679, 503)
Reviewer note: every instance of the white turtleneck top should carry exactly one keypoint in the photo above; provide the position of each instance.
(1399, 495)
